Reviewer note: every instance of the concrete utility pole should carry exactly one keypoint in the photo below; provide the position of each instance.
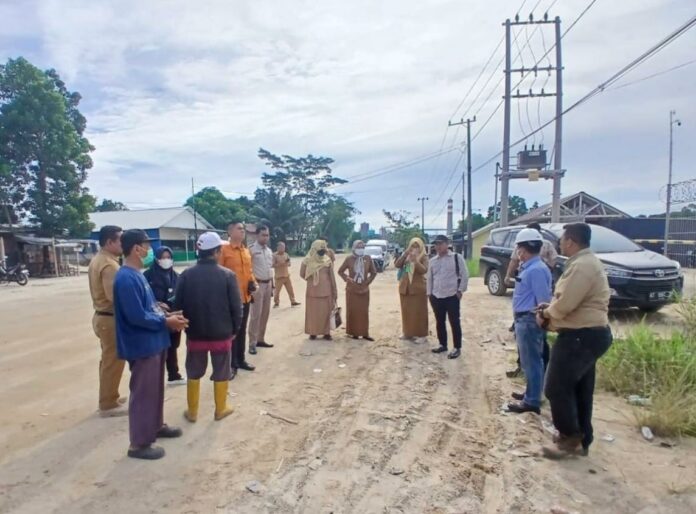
(523, 172)
(422, 201)
(467, 202)
(495, 200)
(672, 122)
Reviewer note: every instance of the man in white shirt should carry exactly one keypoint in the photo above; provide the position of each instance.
(262, 264)
(447, 278)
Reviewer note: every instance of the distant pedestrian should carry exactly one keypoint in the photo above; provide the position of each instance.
(236, 257)
(413, 291)
(358, 271)
(102, 272)
(321, 297)
(447, 280)
(142, 334)
(262, 265)
(533, 288)
(281, 266)
(208, 296)
(162, 279)
(579, 313)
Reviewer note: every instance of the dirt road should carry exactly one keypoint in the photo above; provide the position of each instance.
(383, 427)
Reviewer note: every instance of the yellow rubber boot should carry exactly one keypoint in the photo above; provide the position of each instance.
(193, 394)
(221, 409)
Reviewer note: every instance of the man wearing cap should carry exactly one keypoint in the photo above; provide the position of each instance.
(262, 264)
(102, 271)
(447, 279)
(142, 337)
(208, 296)
(235, 257)
(533, 288)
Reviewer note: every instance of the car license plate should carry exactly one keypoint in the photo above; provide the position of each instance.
(658, 296)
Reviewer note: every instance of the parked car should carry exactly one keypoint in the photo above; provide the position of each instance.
(637, 277)
(379, 257)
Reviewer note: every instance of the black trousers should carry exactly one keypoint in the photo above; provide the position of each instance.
(239, 343)
(447, 308)
(570, 379)
(172, 356)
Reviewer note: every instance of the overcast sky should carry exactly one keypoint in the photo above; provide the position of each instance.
(179, 89)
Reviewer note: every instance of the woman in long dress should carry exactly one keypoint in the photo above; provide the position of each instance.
(358, 271)
(317, 269)
(413, 266)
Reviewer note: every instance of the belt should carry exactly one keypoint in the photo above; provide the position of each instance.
(525, 313)
(103, 313)
(264, 281)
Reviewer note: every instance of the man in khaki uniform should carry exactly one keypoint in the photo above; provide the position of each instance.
(102, 271)
(262, 263)
(281, 265)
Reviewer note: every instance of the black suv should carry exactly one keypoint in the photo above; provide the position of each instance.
(637, 277)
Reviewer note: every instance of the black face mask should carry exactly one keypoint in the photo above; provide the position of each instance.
(321, 253)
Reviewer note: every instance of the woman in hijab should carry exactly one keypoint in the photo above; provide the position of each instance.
(162, 279)
(413, 266)
(317, 269)
(361, 272)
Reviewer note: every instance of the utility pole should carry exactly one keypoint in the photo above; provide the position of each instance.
(422, 201)
(195, 216)
(523, 171)
(495, 200)
(672, 122)
(466, 203)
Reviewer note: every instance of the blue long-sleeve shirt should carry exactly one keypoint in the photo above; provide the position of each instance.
(141, 329)
(533, 286)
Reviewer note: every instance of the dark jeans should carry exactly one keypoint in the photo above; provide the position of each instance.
(570, 379)
(239, 343)
(172, 356)
(447, 308)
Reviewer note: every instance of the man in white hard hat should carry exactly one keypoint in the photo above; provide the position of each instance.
(533, 288)
(208, 295)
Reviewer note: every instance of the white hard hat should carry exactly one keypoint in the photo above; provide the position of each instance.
(528, 235)
(209, 241)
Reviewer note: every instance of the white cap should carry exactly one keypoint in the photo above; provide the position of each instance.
(209, 241)
(528, 235)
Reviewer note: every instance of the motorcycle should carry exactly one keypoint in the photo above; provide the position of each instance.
(16, 273)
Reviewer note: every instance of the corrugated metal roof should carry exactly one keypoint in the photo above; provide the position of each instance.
(174, 217)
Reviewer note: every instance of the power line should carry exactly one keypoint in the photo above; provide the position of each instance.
(653, 75)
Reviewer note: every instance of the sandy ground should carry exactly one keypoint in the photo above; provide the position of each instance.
(397, 429)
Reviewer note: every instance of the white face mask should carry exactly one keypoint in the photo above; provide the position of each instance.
(165, 263)
(359, 252)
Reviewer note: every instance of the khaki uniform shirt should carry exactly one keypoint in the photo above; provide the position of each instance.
(581, 299)
(262, 262)
(281, 265)
(102, 271)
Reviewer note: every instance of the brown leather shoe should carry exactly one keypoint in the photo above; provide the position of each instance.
(565, 447)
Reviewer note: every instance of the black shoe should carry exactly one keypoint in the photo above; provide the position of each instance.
(518, 396)
(512, 328)
(312, 338)
(353, 337)
(368, 338)
(233, 373)
(167, 432)
(454, 354)
(246, 366)
(513, 373)
(295, 304)
(252, 351)
(327, 337)
(263, 344)
(521, 407)
(439, 349)
(146, 453)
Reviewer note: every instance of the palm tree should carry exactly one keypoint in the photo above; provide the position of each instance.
(283, 214)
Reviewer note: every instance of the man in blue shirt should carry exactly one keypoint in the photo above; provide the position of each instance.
(142, 339)
(532, 289)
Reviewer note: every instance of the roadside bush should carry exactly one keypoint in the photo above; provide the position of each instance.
(473, 267)
(661, 369)
(686, 308)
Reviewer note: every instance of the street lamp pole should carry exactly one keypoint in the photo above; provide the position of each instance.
(422, 201)
(672, 122)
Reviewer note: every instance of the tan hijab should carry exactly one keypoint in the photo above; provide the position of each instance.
(409, 268)
(315, 262)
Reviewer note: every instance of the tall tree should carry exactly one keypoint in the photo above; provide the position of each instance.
(282, 213)
(216, 207)
(517, 206)
(42, 144)
(404, 227)
(337, 221)
(109, 205)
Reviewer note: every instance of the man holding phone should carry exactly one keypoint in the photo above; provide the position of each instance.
(236, 257)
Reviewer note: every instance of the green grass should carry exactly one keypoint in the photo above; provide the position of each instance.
(662, 369)
(473, 267)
